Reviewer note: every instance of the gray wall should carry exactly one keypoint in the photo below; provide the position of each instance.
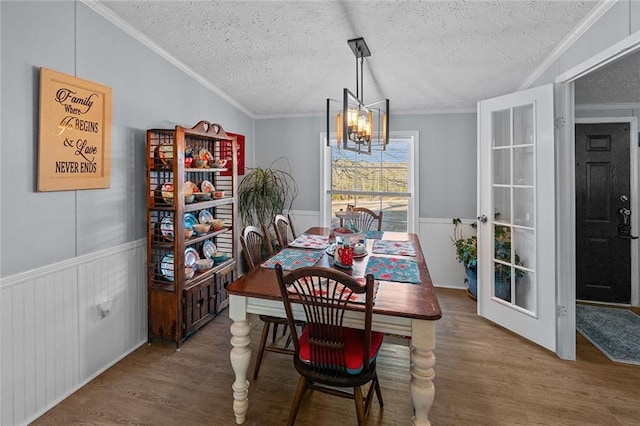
(41, 228)
(447, 158)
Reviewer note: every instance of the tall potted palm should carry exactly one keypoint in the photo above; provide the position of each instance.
(265, 193)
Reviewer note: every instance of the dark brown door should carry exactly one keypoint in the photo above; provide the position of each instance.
(603, 258)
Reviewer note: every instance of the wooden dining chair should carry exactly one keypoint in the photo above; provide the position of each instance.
(365, 220)
(329, 355)
(256, 247)
(282, 225)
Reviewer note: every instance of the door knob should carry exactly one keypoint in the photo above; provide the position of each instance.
(623, 197)
(482, 218)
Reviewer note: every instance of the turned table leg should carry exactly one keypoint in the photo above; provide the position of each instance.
(240, 356)
(423, 342)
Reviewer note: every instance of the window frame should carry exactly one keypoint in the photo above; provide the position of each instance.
(412, 138)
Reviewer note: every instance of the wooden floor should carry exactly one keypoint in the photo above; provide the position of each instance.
(484, 376)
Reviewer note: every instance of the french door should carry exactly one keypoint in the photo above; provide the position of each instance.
(516, 230)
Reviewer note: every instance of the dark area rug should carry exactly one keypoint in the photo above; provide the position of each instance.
(616, 332)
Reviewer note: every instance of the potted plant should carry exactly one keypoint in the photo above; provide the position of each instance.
(265, 193)
(467, 254)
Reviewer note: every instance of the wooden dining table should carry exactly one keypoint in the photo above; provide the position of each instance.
(400, 308)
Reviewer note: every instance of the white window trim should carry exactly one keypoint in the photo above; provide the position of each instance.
(413, 138)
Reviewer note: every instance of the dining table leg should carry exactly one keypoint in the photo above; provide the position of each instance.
(240, 355)
(423, 342)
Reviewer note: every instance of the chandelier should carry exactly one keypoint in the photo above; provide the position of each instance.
(358, 126)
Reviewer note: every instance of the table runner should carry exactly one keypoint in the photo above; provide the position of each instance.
(402, 248)
(393, 269)
(317, 242)
(373, 235)
(291, 259)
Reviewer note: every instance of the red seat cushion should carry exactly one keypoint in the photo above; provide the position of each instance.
(354, 340)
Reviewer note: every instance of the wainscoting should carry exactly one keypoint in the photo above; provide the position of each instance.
(440, 253)
(64, 324)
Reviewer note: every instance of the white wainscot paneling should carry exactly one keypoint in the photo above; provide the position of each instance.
(64, 324)
(303, 220)
(440, 253)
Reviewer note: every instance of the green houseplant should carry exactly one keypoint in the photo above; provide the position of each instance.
(467, 254)
(265, 193)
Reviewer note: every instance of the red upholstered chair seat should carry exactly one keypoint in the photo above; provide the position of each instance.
(354, 340)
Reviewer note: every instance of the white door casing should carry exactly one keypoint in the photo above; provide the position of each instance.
(565, 189)
(516, 179)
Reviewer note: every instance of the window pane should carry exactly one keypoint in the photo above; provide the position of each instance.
(523, 165)
(377, 175)
(502, 204)
(523, 206)
(501, 121)
(523, 125)
(394, 216)
(368, 177)
(525, 249)
(395, 167)
(502, 282)
(525, 290)
(502, 166)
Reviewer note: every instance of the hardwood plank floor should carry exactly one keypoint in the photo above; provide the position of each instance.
(484, 376)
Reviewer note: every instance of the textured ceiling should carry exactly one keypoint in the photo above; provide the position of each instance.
(282, 58)
(617, 82)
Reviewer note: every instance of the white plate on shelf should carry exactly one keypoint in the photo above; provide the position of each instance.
(209, 249)
(166, 267)
(207, 187)
(167, 192)
(204, 154)
(190, 188)
(205, 216)
(165, 152)
(191, 256)
(166, 227)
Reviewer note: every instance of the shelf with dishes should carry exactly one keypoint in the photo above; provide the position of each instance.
(197, 155)
(195, 228)
(200, 262)
(191, 240)
(195, 197)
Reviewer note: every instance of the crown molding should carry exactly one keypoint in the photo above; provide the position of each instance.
(608, 106)
(393, 112)
(116, 20)
(470, 110)
(598, 11)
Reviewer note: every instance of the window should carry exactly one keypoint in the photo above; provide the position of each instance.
(383, 181)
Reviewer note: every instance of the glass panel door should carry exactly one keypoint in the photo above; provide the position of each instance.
(513, 159)
(516, 244)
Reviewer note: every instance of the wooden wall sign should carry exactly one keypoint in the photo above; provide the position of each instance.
(75, 133)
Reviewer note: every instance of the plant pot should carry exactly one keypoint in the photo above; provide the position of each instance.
(502, 287)
(472, 281)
